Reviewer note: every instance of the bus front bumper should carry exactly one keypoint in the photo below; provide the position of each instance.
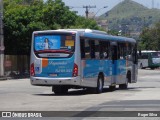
(43, 81)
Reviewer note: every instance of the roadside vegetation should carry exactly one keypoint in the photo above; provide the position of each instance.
(150, 38)
(22, 17)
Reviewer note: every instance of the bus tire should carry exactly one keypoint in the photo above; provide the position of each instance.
(60, 90)
(125, 85)
(112, 88)
(99, 88)
(141, 66)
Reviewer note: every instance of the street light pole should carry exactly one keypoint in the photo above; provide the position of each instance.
(1, 41)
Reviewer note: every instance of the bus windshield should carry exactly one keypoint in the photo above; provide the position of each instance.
(155, 54)
(54, 45)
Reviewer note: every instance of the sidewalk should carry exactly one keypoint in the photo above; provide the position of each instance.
(13, 77)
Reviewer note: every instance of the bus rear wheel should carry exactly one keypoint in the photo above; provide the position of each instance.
(60, 90)
(128, 79)
(112, 88)
(124, 86)
(99, 88)
(141, 66)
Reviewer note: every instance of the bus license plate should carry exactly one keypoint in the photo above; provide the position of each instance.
(53, 75)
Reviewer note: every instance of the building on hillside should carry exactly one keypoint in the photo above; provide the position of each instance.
(103, 24)
(91, 15)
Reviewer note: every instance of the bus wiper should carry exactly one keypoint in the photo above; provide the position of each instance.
(54, 51)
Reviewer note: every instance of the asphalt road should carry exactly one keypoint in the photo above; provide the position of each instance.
(20, 95)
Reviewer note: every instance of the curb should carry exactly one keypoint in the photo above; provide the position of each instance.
(12, 78)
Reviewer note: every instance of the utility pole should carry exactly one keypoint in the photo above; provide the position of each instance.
(87, 9)
(152, 4)
(1, 41)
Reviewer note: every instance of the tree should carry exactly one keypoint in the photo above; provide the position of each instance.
(22, 17)
(150, 39)
(56, 13)
(19, 23)
(84, 23)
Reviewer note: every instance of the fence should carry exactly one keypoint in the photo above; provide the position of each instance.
(16, 66)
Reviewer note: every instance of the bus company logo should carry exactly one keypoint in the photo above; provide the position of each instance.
(6, 114)
(57, 63)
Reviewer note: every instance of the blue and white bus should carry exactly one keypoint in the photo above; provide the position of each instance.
(82, 58)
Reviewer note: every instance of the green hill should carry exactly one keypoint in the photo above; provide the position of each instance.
(131, 16)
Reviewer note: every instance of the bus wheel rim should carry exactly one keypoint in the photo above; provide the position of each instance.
(100, 84)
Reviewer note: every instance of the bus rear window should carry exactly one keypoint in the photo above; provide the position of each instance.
(54, 45)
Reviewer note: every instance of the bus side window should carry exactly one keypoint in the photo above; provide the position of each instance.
(92, 48)
(82, 43)
(135, 58)
(101, 55)
(114, 52)
(107, 56)
(97, 49)
(121, 49)
(129, 51)
(145, 56)
(104, 50)
(118, 51)
(87, 49)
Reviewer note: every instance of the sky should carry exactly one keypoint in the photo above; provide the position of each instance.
(78, 5)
